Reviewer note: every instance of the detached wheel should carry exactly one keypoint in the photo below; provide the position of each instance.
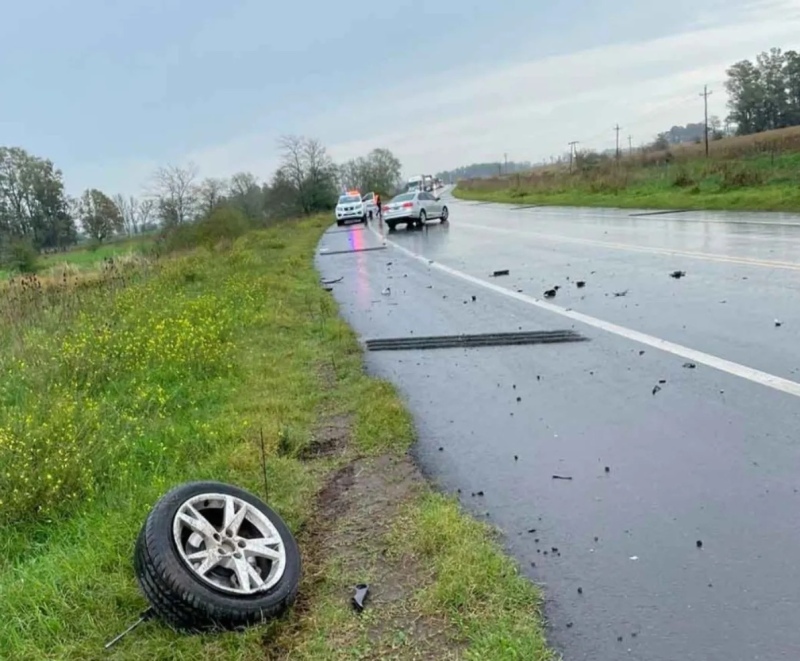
(211, 555)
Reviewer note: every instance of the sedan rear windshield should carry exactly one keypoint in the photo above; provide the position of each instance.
(349, 199)
(404, 198)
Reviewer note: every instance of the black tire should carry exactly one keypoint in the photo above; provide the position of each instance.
(339, 223)
(364, 219)
(179, 596)
(423, 218)
(445, 215)
(391, 225)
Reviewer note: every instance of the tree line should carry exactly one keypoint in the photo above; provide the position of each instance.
(35, 209)
(764, 94)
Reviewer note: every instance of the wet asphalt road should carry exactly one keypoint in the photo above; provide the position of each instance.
(713, 457)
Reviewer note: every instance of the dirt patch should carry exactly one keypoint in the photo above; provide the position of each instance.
(348, 542)
(330, 438)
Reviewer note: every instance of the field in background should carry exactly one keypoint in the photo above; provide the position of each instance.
(755, 172)
(122, 381)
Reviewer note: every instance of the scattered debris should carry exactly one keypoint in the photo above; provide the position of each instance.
(678, 274)
(778, 323)
(532, 530)
(360, 596)
(581, 284)
(328, 289)
(570, 625)
(550, 293)
(474, 298)
(641, 353)
(634, 558)
(502, 272)
(580, 590)
(387, 292)
(662, 381)
(561, 477)
(441, 449)
(656, 390)
(608, 469)
(478, 493)
(596, 539)
(689, 366)
(516, 457)
(621, 294)
(699, 543)
(619, 639)
(332, 282)
(519, 399)
(557, 287)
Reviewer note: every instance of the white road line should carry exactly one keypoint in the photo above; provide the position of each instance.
(721, 364)
(711, 257)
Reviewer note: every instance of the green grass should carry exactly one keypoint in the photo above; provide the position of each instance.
(760, 183)
(85, 256)
(115, 391)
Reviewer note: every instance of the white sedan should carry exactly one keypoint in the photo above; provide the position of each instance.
(414, 209)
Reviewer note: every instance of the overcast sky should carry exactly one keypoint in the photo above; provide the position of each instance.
(110, 89)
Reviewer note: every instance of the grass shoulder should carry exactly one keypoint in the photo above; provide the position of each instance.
(173, 372)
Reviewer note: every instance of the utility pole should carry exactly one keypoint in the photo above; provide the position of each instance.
(617, 128)
(630, 145)
(571, 152)
(705, 96)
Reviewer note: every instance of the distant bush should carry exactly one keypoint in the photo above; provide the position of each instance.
(739, 176)
(683, 180)
(222, 225)
(20, 256)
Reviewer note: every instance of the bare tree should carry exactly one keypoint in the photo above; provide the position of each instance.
(307, 167)
(146, 209)
(210, 193)
(176, 192)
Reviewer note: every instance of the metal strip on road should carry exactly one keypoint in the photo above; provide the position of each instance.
(659, 213)
(693, 355)
(711, 257)
(347, 252)
(474, 340)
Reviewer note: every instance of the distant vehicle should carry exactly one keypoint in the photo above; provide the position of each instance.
(351, 207)
(423, 182)
(414, 184)
(414, 208)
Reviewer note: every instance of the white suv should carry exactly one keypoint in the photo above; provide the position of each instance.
(351, 207)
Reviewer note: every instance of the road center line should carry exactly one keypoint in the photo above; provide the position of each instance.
(729, 259)
(721, 364)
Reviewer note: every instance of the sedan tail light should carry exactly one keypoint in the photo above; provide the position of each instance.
(386, 207)
(408, 205)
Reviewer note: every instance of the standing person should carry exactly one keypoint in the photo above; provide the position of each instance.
(378, 204)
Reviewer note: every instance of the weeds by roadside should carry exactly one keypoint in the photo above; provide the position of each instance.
(118, 388)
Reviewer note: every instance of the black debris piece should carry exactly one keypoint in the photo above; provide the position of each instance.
(641, 353)
(621, 294)
(596, 539)
(608, 469)
(677, 274)
(556, 287)
(570, 625)
(538, 378)
(562, 477)
(479, 493)
(656, 390)
(580, 590)
(550, 293)
(619, 639)
(500, 273)
(441, 449)
(519, 399)
(699, 543)
(332, 282)
(478, 340)
(662, 381)
(474, 298)
(634, 634)
(778, 323)
(689, 366)
(581, 284)
(532, 530)
(360, 596)
(516, 458)
(555, 549)
(328, 288)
